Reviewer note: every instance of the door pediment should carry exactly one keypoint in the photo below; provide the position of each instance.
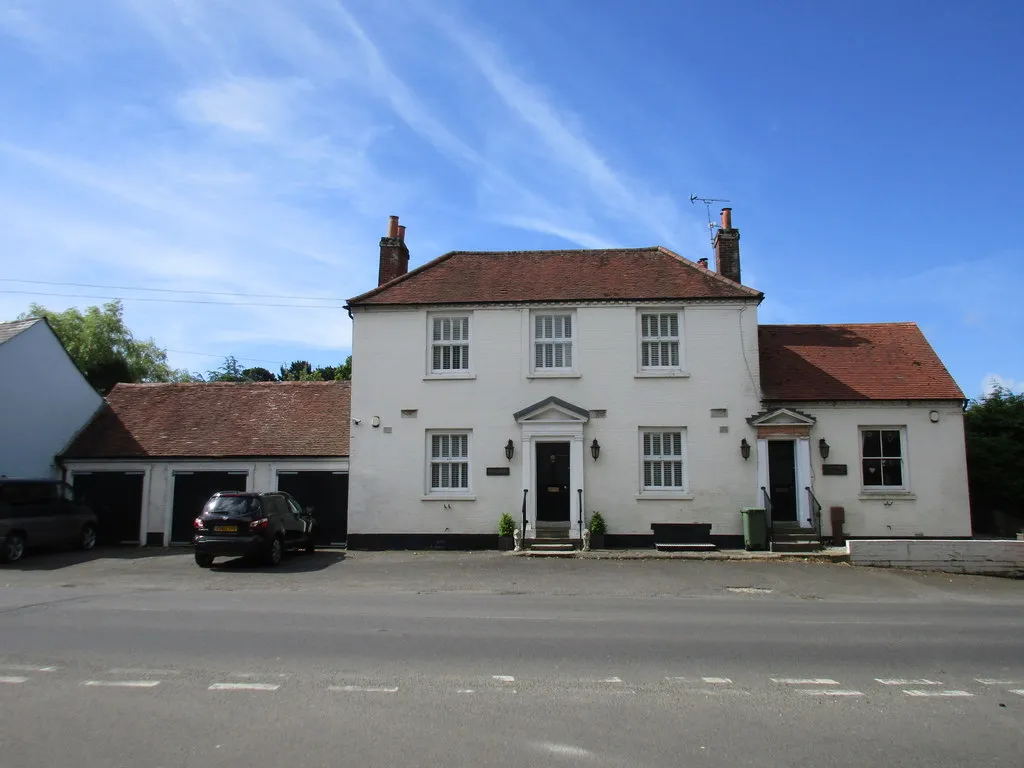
(781, 417)
(552, 410)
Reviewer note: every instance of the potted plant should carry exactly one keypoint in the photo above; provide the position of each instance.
(506, 527)
(597, 529)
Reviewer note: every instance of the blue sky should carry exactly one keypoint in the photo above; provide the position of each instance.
(871, 152)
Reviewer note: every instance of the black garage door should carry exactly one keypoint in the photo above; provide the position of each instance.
(327, 494)
(116, 498)
(191, 492)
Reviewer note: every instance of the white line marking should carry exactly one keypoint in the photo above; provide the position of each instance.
(465, 690)
(122, 683)
(676, 679)
(831, 692)
(26, 668)
(243, 687)
(504, 678)
(141, 671)
(612, 680)
(1019, 692)
(884, 681)
(717, 680)
(803, 681)
(988, 681)
(13, 680)
(723, 691)
(362, 689)
(941, 694)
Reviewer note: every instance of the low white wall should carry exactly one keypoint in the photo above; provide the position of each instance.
(1005, 557)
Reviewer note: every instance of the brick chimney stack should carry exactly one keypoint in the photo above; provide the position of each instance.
(727, 248)
(394, 256)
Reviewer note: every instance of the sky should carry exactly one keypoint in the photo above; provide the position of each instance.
(871, 152)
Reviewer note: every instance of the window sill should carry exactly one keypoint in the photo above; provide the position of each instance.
(885, 495)
(449, 376)
(554, 375)
(666, 374)
(443, 497)
(664, 496)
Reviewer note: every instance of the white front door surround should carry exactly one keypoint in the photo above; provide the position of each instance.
(793, 426)
(552, 421)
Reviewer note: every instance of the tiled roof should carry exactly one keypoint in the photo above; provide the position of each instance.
(9, 330)
(463, 277)
(217, 420)
(877, 361)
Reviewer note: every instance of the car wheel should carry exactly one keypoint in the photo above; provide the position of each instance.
(204, 560)
(275, 551)
(13, 548)
(88, 538)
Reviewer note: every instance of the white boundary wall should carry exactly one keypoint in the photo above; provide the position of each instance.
(984, 556)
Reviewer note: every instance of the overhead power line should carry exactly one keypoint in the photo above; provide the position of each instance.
(172, 290)
(177, 301)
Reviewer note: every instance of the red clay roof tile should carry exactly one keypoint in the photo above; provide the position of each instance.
(877, 361)
(219, 419)
(486, 277)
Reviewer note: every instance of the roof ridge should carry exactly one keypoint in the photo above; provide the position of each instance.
(401, 278)
(714, 273)
(837, 325)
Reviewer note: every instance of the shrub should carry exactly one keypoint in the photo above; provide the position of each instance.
(597, 524)
(506, 524)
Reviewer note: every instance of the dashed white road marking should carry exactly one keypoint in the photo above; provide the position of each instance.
(363, 689)
(26, 668)
(504, 678)
(122, 683)
(244, 687)
(804, 681)
(717, 680)
(831, 692)
(10, 680)
(465, 690)
(676, 679)
(884, 681)
(1018, 691)
(142, 671)
(990, 681)
(939, 694)
(612, 680)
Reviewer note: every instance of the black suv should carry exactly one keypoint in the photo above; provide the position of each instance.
(259, 525)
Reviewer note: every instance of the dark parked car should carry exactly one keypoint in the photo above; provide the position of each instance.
(41, 513)
(261, 525)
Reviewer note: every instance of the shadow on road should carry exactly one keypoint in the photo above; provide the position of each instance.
(50, 560)
(292, 563)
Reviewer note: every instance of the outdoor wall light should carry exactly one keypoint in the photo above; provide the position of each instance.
(510, 450)
(595, 449)
(823, 448)
(744, 449)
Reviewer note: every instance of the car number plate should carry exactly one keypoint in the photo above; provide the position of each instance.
(225, 528)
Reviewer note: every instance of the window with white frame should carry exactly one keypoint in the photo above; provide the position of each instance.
(553, 341)
(664, 459)
(882, 456)
(659, 341)
(449, 344)
(449, 462)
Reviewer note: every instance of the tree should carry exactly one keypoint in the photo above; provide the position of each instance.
(301, 370)
(994, 427)
(104, 349)
(258, 374)
(231, 370)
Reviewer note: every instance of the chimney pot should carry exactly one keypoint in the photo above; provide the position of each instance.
(702, 263)
(401, 232)
(727, 218)
(392, 226)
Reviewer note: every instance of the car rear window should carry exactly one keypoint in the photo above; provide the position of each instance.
(233, 506)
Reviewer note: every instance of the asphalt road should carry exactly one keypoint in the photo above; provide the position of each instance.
(460, 660)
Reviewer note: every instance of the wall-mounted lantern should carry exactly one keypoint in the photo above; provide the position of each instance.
(510, 449)
(823, 448)
(595, 449)
(744, 449)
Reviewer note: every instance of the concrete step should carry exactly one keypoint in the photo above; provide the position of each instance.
(685, 547)
(562, 546)
(557, 553)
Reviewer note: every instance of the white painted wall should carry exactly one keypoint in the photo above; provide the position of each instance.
(388, 477)
(44, 402)
(936, 503)
(957, 556)
(157, 485)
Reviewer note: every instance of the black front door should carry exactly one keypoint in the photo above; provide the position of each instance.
(782, 479)
(191, 492)
(116, 498)
(327, 494)
(552, 483)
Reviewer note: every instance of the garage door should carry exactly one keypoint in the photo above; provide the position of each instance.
(116, 498)
(191, 491)
(327, 494)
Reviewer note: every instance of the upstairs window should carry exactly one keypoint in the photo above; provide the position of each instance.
(882, 455)
(449, 462)
(553, 342)
(659, 340)
(449, 345)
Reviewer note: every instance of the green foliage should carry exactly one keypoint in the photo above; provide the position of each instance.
(506, 524)
(231, 370)
(104, 349)
(994, 427)
(301, 370)
(597, 525)
(258, 374)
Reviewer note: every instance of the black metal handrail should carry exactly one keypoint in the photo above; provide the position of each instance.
(768, 513)
(525, 491)
(815, 511)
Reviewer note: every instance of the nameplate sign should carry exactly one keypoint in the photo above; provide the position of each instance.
(497, 471)
(833, 469)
